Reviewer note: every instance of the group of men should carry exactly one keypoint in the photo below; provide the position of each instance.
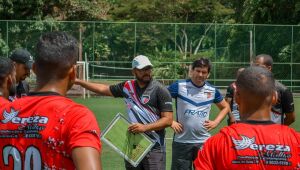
(194, 97)
(44, 129)
(17, 66)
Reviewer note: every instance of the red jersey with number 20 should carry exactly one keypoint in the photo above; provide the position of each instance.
(40, 131)
(248, 146)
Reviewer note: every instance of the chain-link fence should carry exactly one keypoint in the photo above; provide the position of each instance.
(109, 47)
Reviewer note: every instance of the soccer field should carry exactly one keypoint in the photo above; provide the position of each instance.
(105, 108)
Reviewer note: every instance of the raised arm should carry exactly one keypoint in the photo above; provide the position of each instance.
(99, 88)
(86, 158)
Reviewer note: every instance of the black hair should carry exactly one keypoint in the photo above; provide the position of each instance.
(238, 72)
(6, 68)
(257, 81)
(268, 60)
(57, 52)
(202, 62)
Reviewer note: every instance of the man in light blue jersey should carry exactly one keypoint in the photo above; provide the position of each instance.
(194, 98)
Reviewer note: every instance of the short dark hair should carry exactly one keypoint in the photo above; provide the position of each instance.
(57, 52)
(257, 81)
(268, 60)
(6, 68)
(202, 62)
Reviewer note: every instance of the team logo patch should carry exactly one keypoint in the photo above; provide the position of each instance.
(250, 143)
(244, 143)
(8, 116)
(145, 99)
(208, 94)
(12, 117)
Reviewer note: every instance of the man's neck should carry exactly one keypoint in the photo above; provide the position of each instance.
(258, 115)
(142, 84)
(59, 87)
(198, 84)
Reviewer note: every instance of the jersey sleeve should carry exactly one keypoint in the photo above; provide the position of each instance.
(218, 97)
(117, 89)
(206, 156)
(164, 100)
(83, 129)
(173, 89)
(287, 101)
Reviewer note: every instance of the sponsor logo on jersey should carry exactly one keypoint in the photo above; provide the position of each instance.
(208, 94)
(199, 113)
(247, 142)
(145, 99)
(12, 116)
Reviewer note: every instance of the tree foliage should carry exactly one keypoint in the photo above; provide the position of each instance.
(152, 33)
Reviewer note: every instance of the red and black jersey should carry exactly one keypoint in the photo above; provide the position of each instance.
(251, 145)
(39, 131)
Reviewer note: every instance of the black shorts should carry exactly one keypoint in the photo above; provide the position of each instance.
(154, 160)
(183, 155)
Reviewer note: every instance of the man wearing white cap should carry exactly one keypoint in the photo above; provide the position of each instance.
(149, 108)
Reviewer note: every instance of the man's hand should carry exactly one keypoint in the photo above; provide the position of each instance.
(210, 124)
(177, 127)
(137, 128)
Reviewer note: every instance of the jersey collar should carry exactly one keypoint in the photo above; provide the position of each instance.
(258, 122)
(44, 93)
(197, 85)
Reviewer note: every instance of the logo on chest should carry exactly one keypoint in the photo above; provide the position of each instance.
(208, 94)
(145, 99)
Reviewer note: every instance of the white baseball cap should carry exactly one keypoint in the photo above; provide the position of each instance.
(141, 62)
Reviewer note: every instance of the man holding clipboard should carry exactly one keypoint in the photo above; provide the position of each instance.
(149, 108)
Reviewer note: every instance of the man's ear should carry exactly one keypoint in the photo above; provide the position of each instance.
(207, 75)
(34, 68)
(133, 72)
(9, 81)
(237, 96)
(72, 73)
(274, 97)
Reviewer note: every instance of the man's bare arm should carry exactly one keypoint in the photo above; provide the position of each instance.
(224, 109)
(165, 121)
(95, 87)
(230, 115)
(289, 118)
(86, 158)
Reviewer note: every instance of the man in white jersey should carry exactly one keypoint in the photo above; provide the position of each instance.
(149, 108)
(194, 98)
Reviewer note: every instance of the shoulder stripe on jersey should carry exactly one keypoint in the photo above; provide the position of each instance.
(138, 101)
(194, 103)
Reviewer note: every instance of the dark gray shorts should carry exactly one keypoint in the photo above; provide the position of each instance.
(154, 160)
(183, 155)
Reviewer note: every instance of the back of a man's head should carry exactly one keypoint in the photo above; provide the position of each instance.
(256, 84)
(6, 68)
(57, 52)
